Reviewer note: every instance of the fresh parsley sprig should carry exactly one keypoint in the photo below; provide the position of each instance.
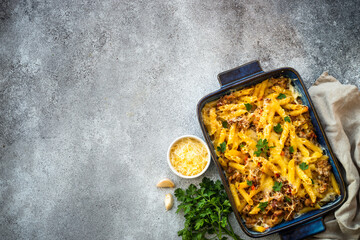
(291, 149)
(277, 186)
(222, 147)
(249, 183)
(278, 128)
(206, 210)
(248, 106)
(303, 166)
(262, 147)
(263, 205)
(281, 96)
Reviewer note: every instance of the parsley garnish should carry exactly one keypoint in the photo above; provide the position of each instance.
(312, 181)
(303, 166)
(222, 147)
(277, 186)
(242, 145)
(225, 124)
(262, 147)
(278, 128)
(248, 106)
(287, 199)
(263, 205)
(249, 183)
(281, 96)
(287, 119)
(206, 210)
(291, 149)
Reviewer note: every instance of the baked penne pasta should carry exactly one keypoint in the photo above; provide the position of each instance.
(266, 144)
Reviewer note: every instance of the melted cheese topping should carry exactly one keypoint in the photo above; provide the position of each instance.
(295, 93)
(188, 156)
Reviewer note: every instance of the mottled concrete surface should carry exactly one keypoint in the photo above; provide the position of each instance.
(93, 92)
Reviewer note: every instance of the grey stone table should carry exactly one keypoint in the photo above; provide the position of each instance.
(93, 92)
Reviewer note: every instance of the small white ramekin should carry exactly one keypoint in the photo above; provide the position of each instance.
(179, 174)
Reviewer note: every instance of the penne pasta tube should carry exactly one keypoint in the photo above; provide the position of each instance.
(298, 112)
(293, 140)
(308, 209)
(255, 210)
(334, 184)
(310, 145)
(214, 124)
(222, 162)
(285, 101)
(266, 171)
(302, 192)
(310, 191)
(291, 106)
(259, 228)
(235, 196)
(242, 205)
(243, 92)
(232, 133)
(296, 185)
(222, 137)
(303, 176)
(256, 91)
(302, 149)
(271, 167)
(259, 189)
(262, 89)
(246, 196)
(284, 134)
(237, 166)
(291, 172)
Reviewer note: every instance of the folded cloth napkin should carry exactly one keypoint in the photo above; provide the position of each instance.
(338, 107)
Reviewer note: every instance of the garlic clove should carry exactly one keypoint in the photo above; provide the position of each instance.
(165, 183)
(169, 201)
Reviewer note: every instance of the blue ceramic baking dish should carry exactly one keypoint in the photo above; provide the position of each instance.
(250, 74)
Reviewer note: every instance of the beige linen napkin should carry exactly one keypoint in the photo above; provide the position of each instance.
(338, 107)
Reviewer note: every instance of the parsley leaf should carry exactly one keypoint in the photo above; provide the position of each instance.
(303, 166)
(206, 210)
(281, 96)
(262, 147)
(242, 145)
(248, 106)
(277, 186)
(278, 128)
(287, 199)
(287, 119)
(249, 183)
(312, 181)
(263, 205)
(199, 223)
(225, 124)
(257, 153)
(291, 149)
(222, 147)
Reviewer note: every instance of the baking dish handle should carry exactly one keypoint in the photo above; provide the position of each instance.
(305, 230)
(240, 73)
